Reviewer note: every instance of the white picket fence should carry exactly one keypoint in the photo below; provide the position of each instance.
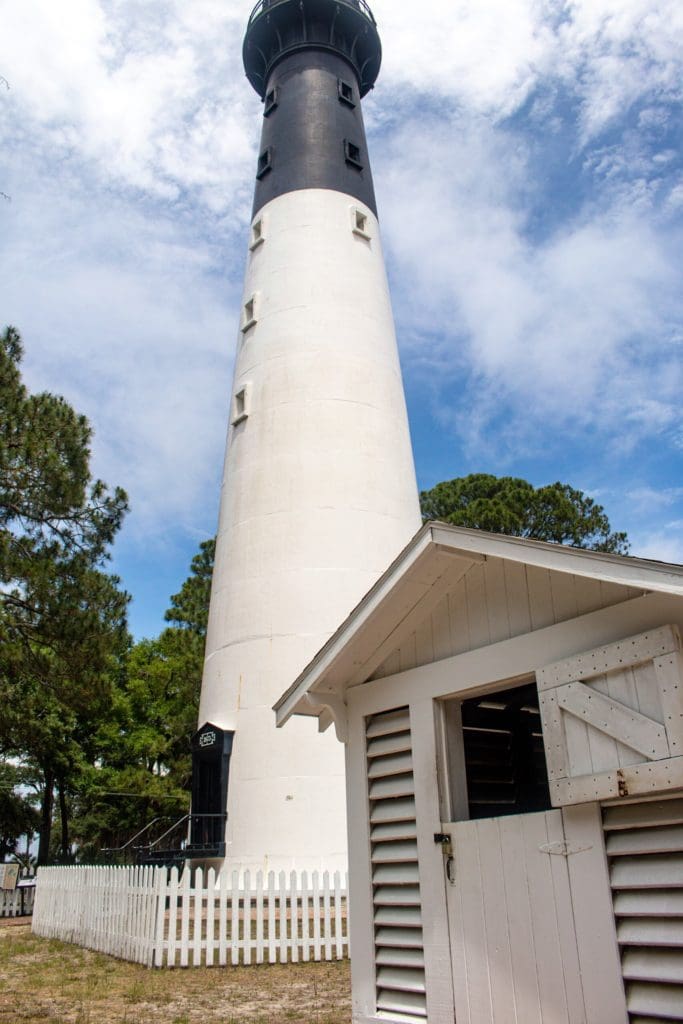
(17, 902)
(154, 917)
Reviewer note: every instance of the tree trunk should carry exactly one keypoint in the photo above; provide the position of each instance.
(46, 816)
(64, 817)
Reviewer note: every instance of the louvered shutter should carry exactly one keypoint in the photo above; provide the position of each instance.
(399, 955)
(613, 719)
(644, 843)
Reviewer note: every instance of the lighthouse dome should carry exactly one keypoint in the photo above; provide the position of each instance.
(278, 28)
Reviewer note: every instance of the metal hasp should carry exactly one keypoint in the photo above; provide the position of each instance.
(280, 27)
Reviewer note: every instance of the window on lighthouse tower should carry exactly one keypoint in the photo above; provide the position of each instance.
(240, 405)
(249, 314)
(265, 162)
(257, 235)
(345, 90)
(352, 154)
(359, 222)
(270, 101)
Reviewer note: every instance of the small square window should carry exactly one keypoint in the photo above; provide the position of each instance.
(240, 405)
(249, 314)
(257, 235)
(359, 222)
(265, 162)
(345, 91)
(352, 154)
(494, 755)
(271, 101)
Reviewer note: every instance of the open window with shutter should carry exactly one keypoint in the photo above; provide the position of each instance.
(613, 719)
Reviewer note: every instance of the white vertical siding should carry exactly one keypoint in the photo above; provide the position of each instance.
(513, 945)
(497, 600)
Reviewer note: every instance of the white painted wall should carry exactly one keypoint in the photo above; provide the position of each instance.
(318, 497)
(492, 994)
(496, 600)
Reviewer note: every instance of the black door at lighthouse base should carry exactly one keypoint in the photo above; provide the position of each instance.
(211, 749)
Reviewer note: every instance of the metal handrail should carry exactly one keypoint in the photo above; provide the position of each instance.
(177, 824)
(145, 828)
(267, 5)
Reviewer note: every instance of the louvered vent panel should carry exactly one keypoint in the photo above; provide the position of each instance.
(644, 845)
(399, 954)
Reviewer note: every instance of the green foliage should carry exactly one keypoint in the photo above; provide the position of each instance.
(18, 815)
(103, 726)
(190, 607)
(556, 512)
(56, 525)
(61, 617)
(143, 765)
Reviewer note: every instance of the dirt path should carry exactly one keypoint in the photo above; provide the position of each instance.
(43, 981)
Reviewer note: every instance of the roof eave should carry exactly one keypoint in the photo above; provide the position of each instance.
(471, 546)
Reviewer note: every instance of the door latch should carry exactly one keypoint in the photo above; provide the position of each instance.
(444, 841)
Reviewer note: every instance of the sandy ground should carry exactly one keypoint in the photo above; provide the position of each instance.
(43, 981)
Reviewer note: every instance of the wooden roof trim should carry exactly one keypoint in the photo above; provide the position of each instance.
(421, 571)
(393, 597)
(626, 570)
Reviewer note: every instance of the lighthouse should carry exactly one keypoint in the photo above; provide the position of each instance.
(319, 491)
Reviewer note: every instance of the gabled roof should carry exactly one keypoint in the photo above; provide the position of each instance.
(432, 563)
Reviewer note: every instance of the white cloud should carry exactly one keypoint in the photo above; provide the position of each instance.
(154, 95)
(646, 500)
(558, 326)
(618, 51)
(490, 57)
(486, 55)
(151, 95)
(132, 320)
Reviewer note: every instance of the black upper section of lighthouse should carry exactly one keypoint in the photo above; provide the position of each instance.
(311, 61)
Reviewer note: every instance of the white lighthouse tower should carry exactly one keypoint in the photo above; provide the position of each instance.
(319, 491)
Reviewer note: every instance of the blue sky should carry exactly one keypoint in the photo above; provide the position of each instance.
(528, 169)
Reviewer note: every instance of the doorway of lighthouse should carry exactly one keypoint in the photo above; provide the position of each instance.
(511, 887)
(211, 750)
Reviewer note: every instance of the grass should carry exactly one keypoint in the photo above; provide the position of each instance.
(43, 981)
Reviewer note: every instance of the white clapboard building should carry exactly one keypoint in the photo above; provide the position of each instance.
(512, 714)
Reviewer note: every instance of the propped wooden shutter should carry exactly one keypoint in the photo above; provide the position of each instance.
(613, 719)
(399, 955)
(644, 843)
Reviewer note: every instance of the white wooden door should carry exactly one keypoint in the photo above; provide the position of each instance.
(513, 928)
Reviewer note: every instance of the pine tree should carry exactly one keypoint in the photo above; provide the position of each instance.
(142, 768)
(556, 512)
(61, 616)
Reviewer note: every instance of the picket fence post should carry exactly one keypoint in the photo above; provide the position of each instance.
(223, 919)
(210, 915)
(156, 955)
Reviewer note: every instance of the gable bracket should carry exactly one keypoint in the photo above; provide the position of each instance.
(337, 709)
